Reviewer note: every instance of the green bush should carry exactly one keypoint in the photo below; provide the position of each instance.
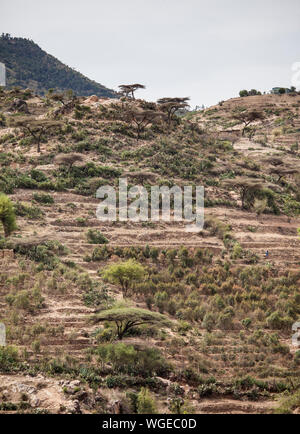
(43, 198)
(8, 358)
(31, 212)
(44, 253)
(289, 403)
(237, 251)
(209, 321)
(145, 402)
(38, 175)
(96, 237)
(124, 273)
(100, 253)
(7, 215)
(97, 298)
(27, 300)
(297, 357)
(277, 322)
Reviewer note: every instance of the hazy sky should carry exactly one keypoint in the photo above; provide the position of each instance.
(206, 49)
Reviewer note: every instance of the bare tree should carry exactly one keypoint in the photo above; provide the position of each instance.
(129, 89)
(35, 127)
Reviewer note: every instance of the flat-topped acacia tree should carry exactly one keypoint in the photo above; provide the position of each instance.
(247, 117)
(62, 97)
(129, 89)
(171, 105)
(247, 187)
(35, 127)
(142, 118)
(67, 99)
(68, 160)
(126, 318)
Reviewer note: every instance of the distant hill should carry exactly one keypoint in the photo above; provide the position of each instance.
(28, 66)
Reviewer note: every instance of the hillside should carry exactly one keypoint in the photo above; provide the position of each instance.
(28, 66)
(227, 346)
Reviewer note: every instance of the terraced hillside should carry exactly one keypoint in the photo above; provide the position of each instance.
(229, 346)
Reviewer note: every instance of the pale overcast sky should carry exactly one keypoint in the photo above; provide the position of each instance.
(206, 49)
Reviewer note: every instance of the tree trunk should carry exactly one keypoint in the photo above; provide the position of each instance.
(243, 196)
(6, 231)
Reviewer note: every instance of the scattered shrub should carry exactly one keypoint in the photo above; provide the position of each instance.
(145, 402)
(96, 237)
(43, 198)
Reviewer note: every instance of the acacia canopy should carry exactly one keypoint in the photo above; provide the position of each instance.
(141, 118)
(35, 127)
(127, 318)
(68, 159)
(171, 105)
(247, 188)
(129, 89)
(247, 116)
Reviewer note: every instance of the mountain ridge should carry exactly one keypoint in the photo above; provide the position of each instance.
(28, 65)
